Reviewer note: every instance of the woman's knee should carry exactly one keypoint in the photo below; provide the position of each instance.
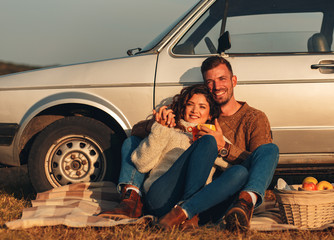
(207, 141)
(131, 142)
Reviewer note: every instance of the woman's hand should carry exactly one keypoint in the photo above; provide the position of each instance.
(218, 134)
(165, 117)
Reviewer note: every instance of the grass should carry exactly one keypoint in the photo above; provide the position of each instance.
(14, 198)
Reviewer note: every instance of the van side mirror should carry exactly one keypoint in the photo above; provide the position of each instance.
(224, 42)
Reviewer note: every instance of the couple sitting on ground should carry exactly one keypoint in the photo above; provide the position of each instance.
(222, 173)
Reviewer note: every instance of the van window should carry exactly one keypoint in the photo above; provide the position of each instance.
(272, 33)
(263, 28)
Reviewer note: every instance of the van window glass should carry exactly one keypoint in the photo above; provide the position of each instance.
(272, 33)
(267, 27)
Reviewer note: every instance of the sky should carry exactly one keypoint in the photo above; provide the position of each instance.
(53, 32)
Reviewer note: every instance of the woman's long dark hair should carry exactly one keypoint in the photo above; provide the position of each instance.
(180, 100)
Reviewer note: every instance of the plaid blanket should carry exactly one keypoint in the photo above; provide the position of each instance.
(77, 205)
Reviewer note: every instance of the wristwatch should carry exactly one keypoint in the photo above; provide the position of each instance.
(223, 152)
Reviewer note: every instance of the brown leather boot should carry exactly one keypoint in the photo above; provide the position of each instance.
(129, 207)
(172, 219)
(190, 224)
(239, 216)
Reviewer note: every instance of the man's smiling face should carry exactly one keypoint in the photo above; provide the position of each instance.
(221, 83)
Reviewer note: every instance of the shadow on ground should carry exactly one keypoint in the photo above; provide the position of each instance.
(15, 180)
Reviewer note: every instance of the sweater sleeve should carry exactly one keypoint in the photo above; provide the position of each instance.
(257, 133)
(147, 155)
(237, 155)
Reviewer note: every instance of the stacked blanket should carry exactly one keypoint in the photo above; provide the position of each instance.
(75, 205)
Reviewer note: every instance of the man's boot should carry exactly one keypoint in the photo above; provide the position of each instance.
(239, 216)
(129, 207)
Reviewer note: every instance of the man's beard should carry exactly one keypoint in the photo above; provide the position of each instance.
(224, 101)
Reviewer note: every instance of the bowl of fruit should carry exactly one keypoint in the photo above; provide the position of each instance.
(306, 205)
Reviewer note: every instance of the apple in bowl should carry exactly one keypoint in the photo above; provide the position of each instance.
(324, 185)
(310, 179)
(309, 186)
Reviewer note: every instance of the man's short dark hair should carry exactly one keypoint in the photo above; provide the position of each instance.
(214, 61)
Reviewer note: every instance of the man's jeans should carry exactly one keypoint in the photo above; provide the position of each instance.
(261, 165)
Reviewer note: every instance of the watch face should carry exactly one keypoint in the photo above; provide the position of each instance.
(223, 152)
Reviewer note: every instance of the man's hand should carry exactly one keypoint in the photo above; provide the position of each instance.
(165, 117)
(218, 134)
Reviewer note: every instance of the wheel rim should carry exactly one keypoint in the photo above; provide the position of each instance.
(73, 159)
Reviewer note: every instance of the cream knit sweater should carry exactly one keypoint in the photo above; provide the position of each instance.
(158, 152)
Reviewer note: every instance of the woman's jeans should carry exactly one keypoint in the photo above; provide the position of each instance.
(129, 173)
(188, 176)
(187, 191)
(261, 165)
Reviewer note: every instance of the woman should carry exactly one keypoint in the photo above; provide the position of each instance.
(177, 173)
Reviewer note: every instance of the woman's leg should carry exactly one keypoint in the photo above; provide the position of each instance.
(129, 173)
(186, 177)
(130, 179)
(221, 189)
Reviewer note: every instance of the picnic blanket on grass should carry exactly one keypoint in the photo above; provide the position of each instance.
(77, 205)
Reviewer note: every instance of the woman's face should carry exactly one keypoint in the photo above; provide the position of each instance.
(197, 109)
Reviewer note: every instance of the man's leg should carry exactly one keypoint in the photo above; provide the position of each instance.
(261, 165)
(129, 184)
(221, 189)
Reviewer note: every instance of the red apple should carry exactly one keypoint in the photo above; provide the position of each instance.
(309, 186)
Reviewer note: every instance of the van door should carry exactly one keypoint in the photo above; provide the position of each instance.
(282, 54)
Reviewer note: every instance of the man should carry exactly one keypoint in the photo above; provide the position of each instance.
(246, 128)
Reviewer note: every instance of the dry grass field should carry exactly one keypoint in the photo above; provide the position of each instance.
(15, 197)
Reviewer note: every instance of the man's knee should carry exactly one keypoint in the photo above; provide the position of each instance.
(239, 172)
(269, 148)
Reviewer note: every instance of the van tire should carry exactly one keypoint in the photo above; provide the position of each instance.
(72, 150)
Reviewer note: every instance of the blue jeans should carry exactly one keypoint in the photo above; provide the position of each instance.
(129, 173)
(261, 165)
(186, 177)
(163, 195)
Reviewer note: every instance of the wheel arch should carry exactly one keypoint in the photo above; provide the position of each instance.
(58, 106)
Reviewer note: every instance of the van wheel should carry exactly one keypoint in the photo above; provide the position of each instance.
(73, 150)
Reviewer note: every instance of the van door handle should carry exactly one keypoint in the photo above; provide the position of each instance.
(316, 66)
(324, 66)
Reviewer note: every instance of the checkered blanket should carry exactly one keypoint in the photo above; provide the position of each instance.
(77, 205)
